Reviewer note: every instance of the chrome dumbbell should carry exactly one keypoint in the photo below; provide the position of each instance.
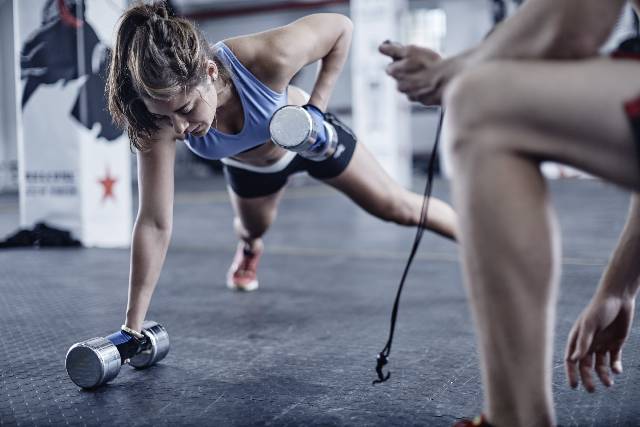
(97, 361)
(303, 130)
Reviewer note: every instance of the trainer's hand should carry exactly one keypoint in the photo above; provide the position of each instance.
(598, 334)
(421, 73)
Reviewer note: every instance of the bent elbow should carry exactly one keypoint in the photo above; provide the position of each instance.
(347, 23)
(338, 21)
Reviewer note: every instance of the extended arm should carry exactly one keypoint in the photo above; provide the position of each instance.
(604, 325)
(152, 229)
(622, 276)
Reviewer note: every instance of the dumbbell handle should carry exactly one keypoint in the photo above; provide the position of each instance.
(127, 344)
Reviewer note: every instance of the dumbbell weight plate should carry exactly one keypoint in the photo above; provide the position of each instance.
(291, 127)
(93, 362)
(159, 340)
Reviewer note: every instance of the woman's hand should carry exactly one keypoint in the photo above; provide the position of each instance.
(421, 73)
(599, 333)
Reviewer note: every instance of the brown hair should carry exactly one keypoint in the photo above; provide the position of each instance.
(155, 56)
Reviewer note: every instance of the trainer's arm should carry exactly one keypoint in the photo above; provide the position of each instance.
(322, 36)
(622, 276)
(552, 29)
(603, 327)
(559, 29)
(152, 229)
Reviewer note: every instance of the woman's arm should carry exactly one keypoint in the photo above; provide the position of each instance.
(152, 229)
(275, 56)
(325, 37)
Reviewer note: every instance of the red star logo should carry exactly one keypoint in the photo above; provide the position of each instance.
(107, 186)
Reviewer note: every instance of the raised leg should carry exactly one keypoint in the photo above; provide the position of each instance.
(367, 184)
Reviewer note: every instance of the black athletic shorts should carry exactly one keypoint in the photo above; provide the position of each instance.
(256, 181)
(630, 49)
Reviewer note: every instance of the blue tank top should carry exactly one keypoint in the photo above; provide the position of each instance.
(259, 102)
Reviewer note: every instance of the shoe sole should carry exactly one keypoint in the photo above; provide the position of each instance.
(249, 287)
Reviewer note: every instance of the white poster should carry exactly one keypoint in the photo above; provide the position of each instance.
(75, 169)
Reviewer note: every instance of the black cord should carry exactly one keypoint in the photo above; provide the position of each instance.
(383, 356)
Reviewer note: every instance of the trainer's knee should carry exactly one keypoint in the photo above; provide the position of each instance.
(476, 106)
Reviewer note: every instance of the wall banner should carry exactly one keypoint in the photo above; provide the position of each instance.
(75, 166)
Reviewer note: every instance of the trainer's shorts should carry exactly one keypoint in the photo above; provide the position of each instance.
(257, 181)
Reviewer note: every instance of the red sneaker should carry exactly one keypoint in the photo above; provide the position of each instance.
(478, 421)
(243, 273)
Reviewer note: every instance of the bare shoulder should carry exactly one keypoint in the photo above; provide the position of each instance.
(257, 54)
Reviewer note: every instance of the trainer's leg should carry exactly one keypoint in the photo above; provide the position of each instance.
(366, 183)
(502, 120)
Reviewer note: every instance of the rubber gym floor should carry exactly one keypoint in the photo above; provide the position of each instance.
(301, 350)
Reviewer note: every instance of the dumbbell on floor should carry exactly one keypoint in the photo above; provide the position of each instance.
(97, 361)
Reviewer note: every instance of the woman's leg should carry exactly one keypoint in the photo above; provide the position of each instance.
(366, 183)
(502, 120)
(254, 196)
(253, 218)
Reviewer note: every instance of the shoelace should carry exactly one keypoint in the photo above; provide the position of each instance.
(383, 357)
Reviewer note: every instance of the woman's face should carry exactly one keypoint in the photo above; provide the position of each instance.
(188, 113)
